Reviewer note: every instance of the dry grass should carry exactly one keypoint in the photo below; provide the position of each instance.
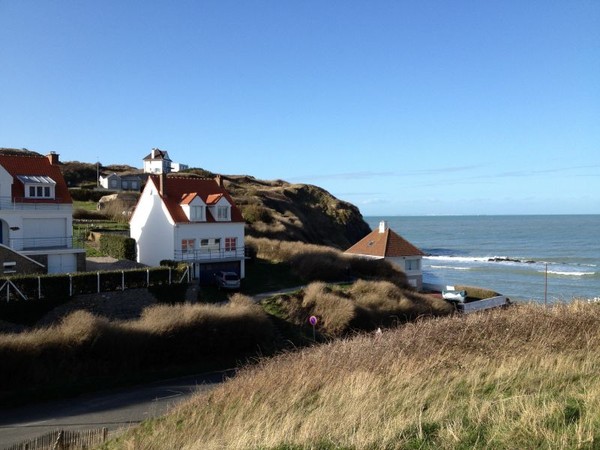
(84, 345)
(520, 378)
(364, 305)
(322, 263)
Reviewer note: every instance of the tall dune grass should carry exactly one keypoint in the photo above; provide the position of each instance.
(321, 263)
(84, 345)
(520, 378)
(365, 305)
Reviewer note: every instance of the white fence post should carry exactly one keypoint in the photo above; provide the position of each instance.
(39, 288)
(70, 285)
(122, 281)
(147, 277)
(98, 273)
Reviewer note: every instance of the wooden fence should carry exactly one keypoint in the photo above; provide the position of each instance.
(64, 440)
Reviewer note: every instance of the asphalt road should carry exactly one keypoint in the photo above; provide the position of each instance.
(115, 409)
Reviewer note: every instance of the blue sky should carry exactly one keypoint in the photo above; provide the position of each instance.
(400, 107)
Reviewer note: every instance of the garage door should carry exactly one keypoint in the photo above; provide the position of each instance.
(62, 263)
(45, 233)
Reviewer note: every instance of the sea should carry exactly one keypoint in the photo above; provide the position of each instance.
(538, 258)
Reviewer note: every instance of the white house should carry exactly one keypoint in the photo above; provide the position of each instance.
(123, 182)
(157, 161)
(36, 213)
(179, 167)
(189, 219)
(383, 243)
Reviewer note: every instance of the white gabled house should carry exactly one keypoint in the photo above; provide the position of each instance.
(383, 243)
(157, 161)
(36, 217)
(194, 220)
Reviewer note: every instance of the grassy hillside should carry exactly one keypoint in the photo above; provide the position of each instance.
(296, 212)
(521, 378)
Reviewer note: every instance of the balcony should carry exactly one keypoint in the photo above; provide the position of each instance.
(209, 255)
(46, 243)
(22, 203)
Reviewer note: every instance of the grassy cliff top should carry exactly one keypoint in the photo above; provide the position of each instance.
(521, 378)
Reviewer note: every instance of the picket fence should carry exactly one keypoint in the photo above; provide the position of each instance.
(64, 440)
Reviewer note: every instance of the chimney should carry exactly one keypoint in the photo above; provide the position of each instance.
(382, 226)
(162, 184)
(154, 153)
(53, 158)
(219, 180)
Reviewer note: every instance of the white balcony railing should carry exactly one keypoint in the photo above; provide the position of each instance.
(21, 203)
(207, 254)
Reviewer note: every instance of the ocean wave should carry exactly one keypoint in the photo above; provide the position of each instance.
(569, 274)
(461, 259)
(451, 267)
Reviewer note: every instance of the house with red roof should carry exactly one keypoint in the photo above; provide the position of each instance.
(187, 219)
(384, 243)
(36, 216)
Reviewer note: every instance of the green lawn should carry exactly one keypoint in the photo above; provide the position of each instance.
(88, 206)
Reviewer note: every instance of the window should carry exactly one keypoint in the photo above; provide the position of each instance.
(40, 192)
(222, 212)
(188, 245)
(412, 264)
(230, 244)
(134, 185)
(113, 183)
(125, 185)
(197, 213)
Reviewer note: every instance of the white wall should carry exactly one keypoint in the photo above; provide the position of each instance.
(151, 228)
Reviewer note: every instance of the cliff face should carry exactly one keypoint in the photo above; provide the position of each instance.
(298, 212)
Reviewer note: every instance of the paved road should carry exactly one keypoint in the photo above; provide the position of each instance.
(115, 409)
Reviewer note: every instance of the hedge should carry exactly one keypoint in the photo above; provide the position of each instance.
(45, 292)
(117, 246)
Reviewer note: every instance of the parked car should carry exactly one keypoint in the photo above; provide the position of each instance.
(228, 280)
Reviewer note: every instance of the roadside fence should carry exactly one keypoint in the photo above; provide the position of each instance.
(64, 440)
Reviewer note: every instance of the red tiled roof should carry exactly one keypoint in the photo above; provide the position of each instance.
(213, 199)
(37, 166)
(188, 198)
(386, 244)
(177, 188)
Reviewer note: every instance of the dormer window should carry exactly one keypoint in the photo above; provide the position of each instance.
(222, 212)
(38, 186)
(197, 213)
(193, 207)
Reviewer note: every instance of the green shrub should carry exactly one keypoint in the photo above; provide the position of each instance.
(85, 214)
(117, 246)
(88, 195)
(256, 213)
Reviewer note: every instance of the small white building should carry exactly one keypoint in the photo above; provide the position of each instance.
(157, 161)
(36, 213)
(194, 220)
(384, 243)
